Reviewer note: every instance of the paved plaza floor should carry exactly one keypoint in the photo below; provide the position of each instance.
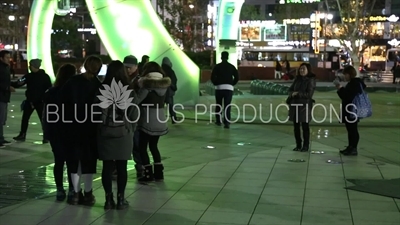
(215, 176)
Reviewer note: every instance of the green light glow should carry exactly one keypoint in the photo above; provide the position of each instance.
(125, 27)
(133, 27)
(227, 27)
(39, 34)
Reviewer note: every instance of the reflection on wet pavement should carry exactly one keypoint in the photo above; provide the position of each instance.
(35, 184)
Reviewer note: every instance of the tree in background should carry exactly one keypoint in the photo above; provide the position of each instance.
(295, 11)
(181, 19)
(250, 12)
(353, 27)
(14, 15)
(65, 35)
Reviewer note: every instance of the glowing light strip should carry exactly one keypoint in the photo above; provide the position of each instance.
(39, 34)
(228, 25)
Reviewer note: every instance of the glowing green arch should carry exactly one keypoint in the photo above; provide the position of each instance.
(125, 28)
(227, 27)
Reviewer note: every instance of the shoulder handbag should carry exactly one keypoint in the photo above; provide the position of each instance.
(362, 105)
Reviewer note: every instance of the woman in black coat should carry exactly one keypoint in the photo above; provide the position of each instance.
(169, 98)
(79, 129)
(52, 132)
(347, 94)
(300, 105)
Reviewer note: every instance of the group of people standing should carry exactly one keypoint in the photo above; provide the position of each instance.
(82, 141)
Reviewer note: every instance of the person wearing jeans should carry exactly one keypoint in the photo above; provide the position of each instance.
(224, 76)
(152, 122)
(300, 105)
(347, 94)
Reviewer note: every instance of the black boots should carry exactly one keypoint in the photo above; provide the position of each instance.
(110, 203)
(148, 174)
(20, 137)
(349, 151)
(89, 199)
(158, 171)
(122, 203)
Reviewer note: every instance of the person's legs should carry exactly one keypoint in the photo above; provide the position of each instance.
(158, 166)
(39, 110)
(218, 107)
(297, 136)
(148, 169)
(171, 110)
(26, 115)
(76, 172)
(88, 170)
(353, 139)
(106, 180)
(136, 154)
(122, 179)
(306, 136)
(3, 119)
(227, 97)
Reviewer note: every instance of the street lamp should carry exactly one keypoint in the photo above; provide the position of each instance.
(11, 18)
(191, 6)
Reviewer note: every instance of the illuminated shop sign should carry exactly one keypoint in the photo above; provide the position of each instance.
(298, 1)
(392, 19)
(255, 31)
(305, 21)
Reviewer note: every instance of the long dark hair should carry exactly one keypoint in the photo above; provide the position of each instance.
(65, 72)
(309, 69)
(116, 70)
(152, 67)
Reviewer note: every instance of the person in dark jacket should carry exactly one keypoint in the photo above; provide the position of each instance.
(131, 65)
(5, 92)
(224, 76)
(152, 121)
(169, 98)
(300, 105)
(278, 70)
(52, 131)
(79, 130)
(115, 151)
(145, 59)
(347, 94)
(37, 83)
(396, 71)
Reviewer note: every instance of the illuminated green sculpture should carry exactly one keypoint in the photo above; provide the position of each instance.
(125, 27)
(227, 28)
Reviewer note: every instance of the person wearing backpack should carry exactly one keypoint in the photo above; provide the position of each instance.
(152, 122)
(347, 94)
(52, 132)
(115, 134)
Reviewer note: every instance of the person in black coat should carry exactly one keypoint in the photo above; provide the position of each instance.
(347, 94)
(50, 129)
(224, 76)
(5, 92)
(79, 130)
(300, 105)
(169, 98)
(37, 83)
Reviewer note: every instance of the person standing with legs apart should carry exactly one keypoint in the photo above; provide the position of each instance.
(169, 99)
(152, 122)
(51, 131)
(224, 76)
(37, 83)
(115, 138)
(5, 93)
(300, 105)
(347, 94)
(131, 66)
(78, 129)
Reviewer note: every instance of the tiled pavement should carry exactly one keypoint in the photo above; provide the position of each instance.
(245, 179)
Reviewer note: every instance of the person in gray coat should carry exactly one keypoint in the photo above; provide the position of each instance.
(114, 148)
(300, 105)
(152, 120)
